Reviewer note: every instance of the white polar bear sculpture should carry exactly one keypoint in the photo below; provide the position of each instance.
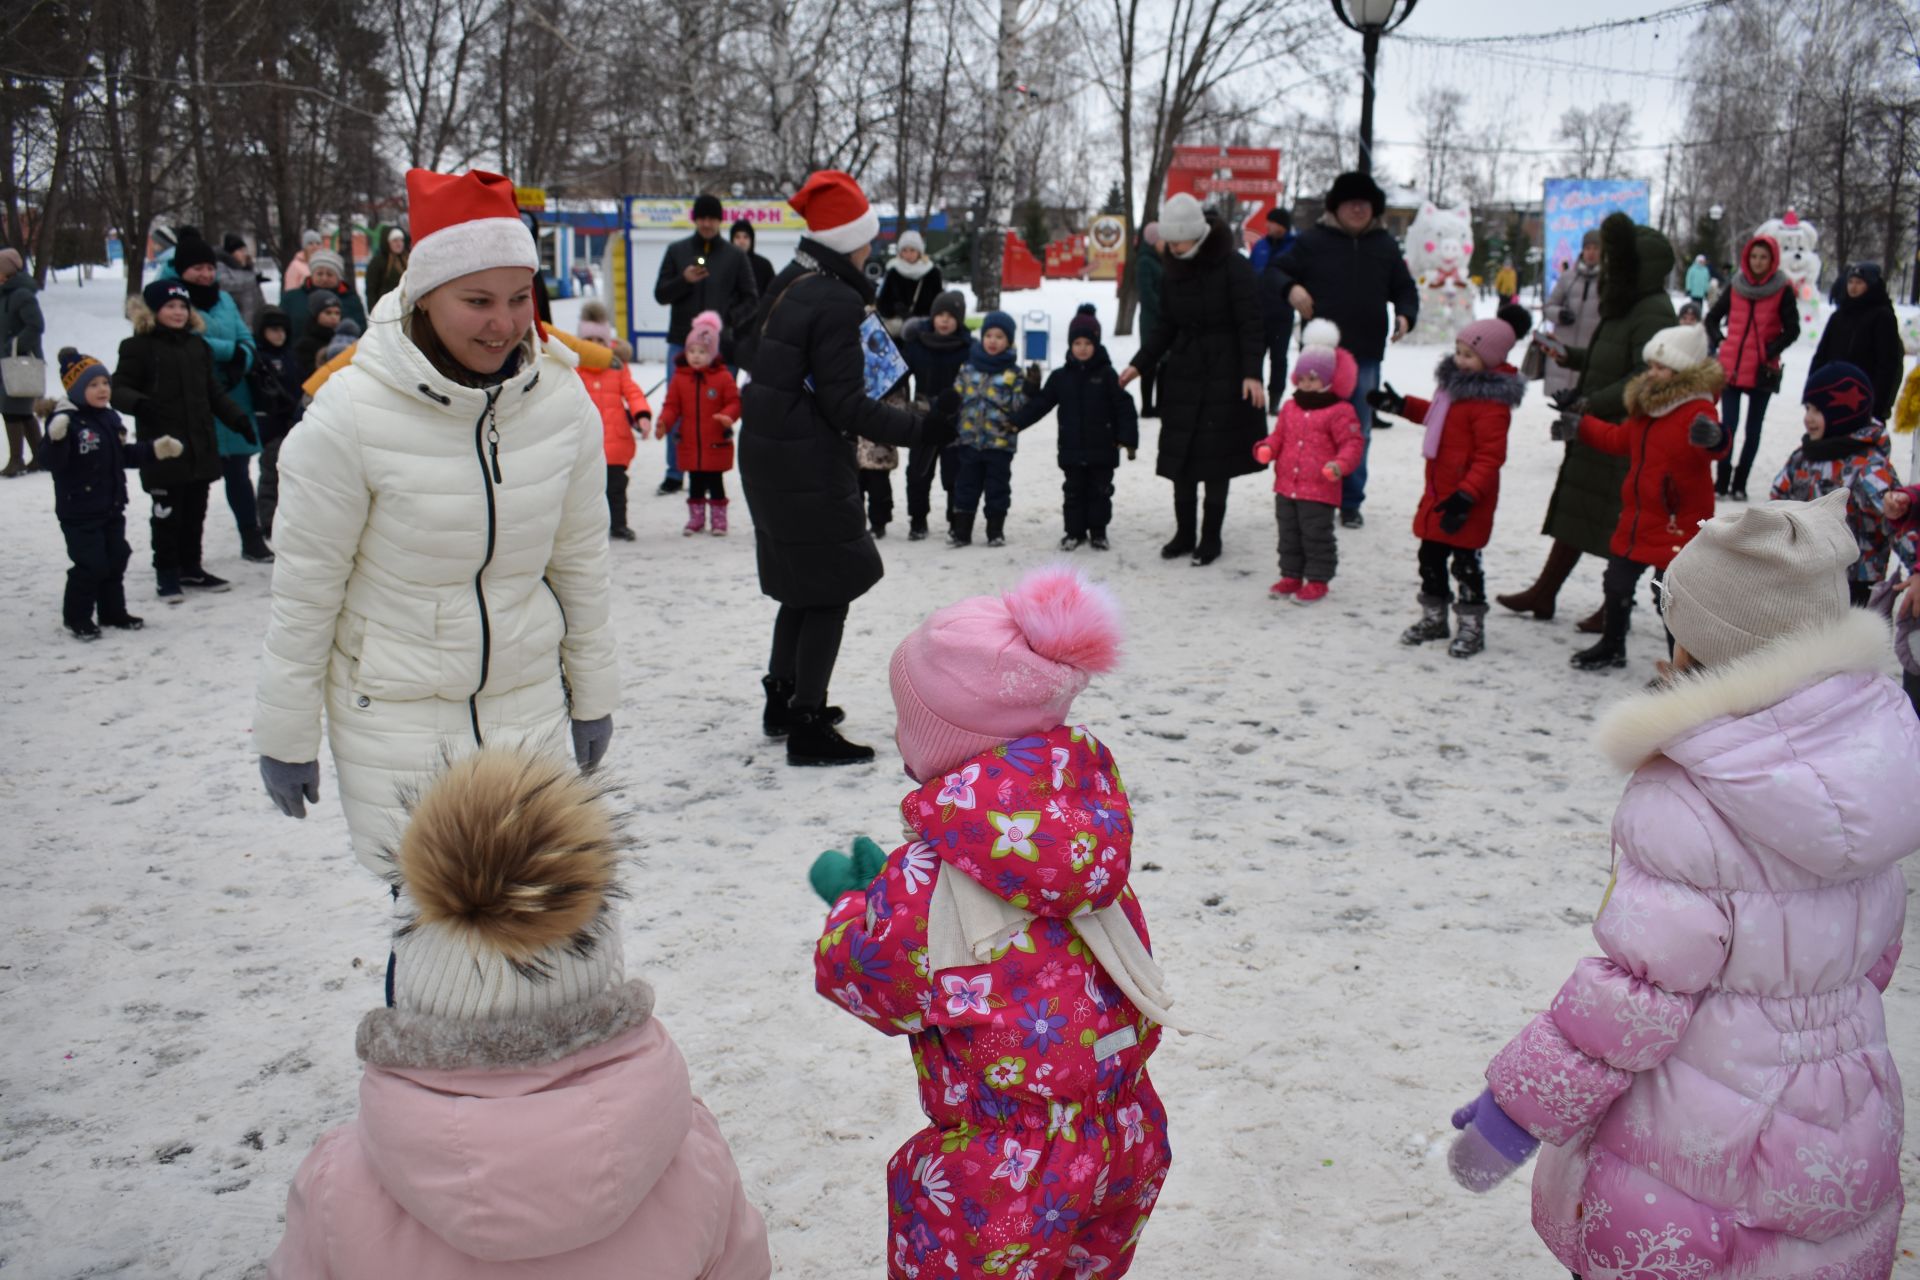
(1799, 243)
(1439, 247)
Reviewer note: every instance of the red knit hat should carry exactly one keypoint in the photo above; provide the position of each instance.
(463, 223)
(837, 213)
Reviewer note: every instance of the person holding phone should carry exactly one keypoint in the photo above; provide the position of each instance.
(703, 272)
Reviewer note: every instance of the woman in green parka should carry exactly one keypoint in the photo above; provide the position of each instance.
(1152, 269)
(1635, 262)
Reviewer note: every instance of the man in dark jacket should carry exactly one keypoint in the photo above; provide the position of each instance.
(807, 403)
(702, 273)
(1274, 288)
(21, 325)
(1348, 268)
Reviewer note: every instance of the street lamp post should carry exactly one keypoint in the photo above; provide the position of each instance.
(1716, 212)
(1372, 19)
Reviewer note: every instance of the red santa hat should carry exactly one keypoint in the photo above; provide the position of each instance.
(837, 213)
(463, 223)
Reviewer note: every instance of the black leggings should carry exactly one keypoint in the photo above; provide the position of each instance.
(806, 643)
(706, 486)
(1436, 556)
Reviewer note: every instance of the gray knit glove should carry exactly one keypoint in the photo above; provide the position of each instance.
(291, 786)
(1566, 427)
(590, 741)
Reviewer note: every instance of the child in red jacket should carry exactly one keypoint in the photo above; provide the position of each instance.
(624, 411)
(704, 404)
(1465, 447)
(1671, 438)
(1006, 941)
(1316, 440)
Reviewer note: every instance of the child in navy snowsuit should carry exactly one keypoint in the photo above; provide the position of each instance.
(1097, 420)
(88, 453)
(275, 381)
(935, 349)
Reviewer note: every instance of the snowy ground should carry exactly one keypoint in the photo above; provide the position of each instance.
(1369, 866)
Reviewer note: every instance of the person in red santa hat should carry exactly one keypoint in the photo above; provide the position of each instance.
(807, 403)
(442, 578)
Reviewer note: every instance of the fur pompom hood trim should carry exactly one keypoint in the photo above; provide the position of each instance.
(396, 1038)
(1502, 385)
(1637, 728)
(1702, 382)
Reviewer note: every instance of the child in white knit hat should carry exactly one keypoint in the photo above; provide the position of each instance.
(1671, 438)
(522, 1111)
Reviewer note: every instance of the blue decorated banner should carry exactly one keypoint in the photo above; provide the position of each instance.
(1575, 206)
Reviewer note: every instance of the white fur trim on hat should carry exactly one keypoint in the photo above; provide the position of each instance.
(1681, 347)
(466, 247)
(849, 236)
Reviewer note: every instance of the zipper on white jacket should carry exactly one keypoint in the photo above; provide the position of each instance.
(485, 432)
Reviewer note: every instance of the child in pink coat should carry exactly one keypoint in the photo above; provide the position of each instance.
(1316, 441)
(1715, 1089)
(522, 1112)
(1005, 940)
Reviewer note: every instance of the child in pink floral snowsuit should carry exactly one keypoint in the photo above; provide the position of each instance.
(1047, 1144)
(1716, 1090)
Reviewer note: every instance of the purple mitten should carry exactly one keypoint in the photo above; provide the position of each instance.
(1490, 1146)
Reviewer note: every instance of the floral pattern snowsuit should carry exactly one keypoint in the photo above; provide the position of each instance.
(1867, 476)
(1047, 1145)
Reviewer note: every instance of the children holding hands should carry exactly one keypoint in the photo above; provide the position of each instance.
(1316, 441)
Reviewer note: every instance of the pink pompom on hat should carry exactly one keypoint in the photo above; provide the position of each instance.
(1322, 356)
(704, 335)
(991, 669)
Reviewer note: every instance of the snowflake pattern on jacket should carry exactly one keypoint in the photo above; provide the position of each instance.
(1047, 1143)
(1867, 476)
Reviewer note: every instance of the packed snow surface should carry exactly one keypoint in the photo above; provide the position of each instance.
(1364, 866)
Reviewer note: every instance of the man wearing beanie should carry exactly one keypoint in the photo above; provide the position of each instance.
(522, 1111)
(1846, 450)
(1274, 303)
(1347, 267)
(327, 278)
(1754, 917)
(703, 272)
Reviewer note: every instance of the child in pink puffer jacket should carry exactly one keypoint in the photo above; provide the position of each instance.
(1716, 1089)
(1005, 939)
(522, 1112)
(1316, 440)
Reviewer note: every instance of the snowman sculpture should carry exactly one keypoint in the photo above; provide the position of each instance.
(1439, 247)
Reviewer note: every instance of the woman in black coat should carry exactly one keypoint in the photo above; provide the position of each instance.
(1212, 338)
(815, 553)
(1864, 331)
(164, 381)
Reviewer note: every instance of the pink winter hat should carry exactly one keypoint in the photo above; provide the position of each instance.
(1492, 340)
(705, 333)
(991, 669)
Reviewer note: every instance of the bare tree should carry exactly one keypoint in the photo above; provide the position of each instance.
(1596, 138)
(1442, 129)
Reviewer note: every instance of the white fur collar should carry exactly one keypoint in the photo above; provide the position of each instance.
(1636, 728)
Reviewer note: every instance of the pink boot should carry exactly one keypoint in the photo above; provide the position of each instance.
(719, 508)
(696, 516)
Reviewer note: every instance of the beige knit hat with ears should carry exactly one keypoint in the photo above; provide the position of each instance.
(1760, 574)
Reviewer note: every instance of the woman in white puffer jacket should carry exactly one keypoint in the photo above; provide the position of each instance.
(441, 580)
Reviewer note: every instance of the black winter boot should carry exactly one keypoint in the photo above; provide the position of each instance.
(1207, 550)
(1473, 630)
(917, 529)
(1432, 624)
(814, 741)
(777, 719)
(1611, 652)
(996, 531)
(254, 547)
(960, 531)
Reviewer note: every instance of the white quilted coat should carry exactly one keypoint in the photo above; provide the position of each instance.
(441, 566)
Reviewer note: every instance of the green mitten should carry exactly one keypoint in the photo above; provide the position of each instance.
(834, 873)
(869, 859)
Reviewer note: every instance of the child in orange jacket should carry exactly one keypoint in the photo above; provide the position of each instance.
(624, 412)
(704, 404)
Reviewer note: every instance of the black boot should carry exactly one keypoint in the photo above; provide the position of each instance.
(996, 531)
(814, 741)
(1186, 503)
(254, 547)
(777, 719)
(1208, 548)
(1473, 630)
(960, 531)
(1737, 490)
(917, 529)
(1611, 652)
(1432, 624)
(1722, 474)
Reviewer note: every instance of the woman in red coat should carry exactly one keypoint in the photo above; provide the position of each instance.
(1465, 447)
(1670, 439)
(703, 404)
(1753, 322)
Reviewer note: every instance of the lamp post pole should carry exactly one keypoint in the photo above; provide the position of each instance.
(1372, 19)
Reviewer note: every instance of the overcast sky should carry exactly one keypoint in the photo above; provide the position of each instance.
(1522, 79)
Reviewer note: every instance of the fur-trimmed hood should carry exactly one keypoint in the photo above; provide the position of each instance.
(144, 321)
(1804, 746)
(1501, 384)
(1702, 382)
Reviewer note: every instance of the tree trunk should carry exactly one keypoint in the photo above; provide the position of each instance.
(990, 252)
